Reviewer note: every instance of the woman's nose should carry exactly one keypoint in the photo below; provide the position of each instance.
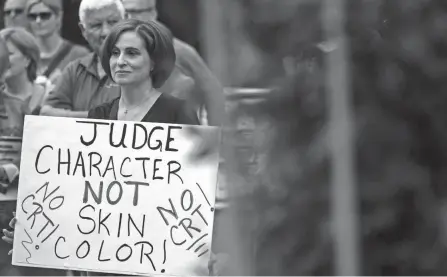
(121, 61)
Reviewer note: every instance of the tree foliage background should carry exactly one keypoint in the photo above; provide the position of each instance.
(399, 79)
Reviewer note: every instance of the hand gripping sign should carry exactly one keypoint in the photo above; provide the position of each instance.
(114, 196)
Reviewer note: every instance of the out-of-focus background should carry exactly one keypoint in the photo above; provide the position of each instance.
(340, 169)
(335, 145)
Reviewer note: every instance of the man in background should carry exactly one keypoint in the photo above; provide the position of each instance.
(83, 84)
(191, 78)
(14, 13)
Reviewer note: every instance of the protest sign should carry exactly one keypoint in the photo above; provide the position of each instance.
(114, 196)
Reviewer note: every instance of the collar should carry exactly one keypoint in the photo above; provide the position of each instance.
(90, 62)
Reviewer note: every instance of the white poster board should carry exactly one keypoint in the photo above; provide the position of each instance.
(126, 202)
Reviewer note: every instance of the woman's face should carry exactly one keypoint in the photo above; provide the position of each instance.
(14, 13)
(43, 21)
(18, 62)
(130, 62)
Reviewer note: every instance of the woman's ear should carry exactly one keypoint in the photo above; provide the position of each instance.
(27, 62)
(60, 17)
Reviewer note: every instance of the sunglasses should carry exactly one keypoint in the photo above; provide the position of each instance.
(13, 12)
(42, 16)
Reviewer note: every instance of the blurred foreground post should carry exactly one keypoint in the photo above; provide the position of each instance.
(344, 206)
(212, 35)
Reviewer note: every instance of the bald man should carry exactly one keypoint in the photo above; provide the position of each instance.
(191, 78)
(14, 13)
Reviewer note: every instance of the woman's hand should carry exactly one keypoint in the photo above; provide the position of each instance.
(206, 143)
(9, 235)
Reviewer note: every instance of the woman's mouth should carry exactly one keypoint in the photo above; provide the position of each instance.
(121, 72)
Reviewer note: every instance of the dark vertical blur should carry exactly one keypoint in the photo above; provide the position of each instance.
(397, 72)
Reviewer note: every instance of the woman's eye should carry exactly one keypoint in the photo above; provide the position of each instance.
(132, 52)
(115, 52)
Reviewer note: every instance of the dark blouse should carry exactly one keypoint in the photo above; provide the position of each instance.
(166, 109)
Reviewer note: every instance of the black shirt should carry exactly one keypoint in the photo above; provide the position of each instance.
(166, 109)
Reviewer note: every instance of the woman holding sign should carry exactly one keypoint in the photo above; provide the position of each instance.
(139, 56)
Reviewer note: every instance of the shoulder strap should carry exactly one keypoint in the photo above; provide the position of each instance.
(36, 99)
(66, 48)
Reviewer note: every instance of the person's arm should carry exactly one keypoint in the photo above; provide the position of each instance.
(209, 88)
(60, 100)
(50, 111)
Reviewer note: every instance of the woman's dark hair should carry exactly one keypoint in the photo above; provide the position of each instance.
(27, 44)
(159, 45)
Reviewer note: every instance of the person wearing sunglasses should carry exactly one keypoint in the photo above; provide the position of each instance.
(191, 79)
(45, 21)
(14, 13)
(83, 83)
